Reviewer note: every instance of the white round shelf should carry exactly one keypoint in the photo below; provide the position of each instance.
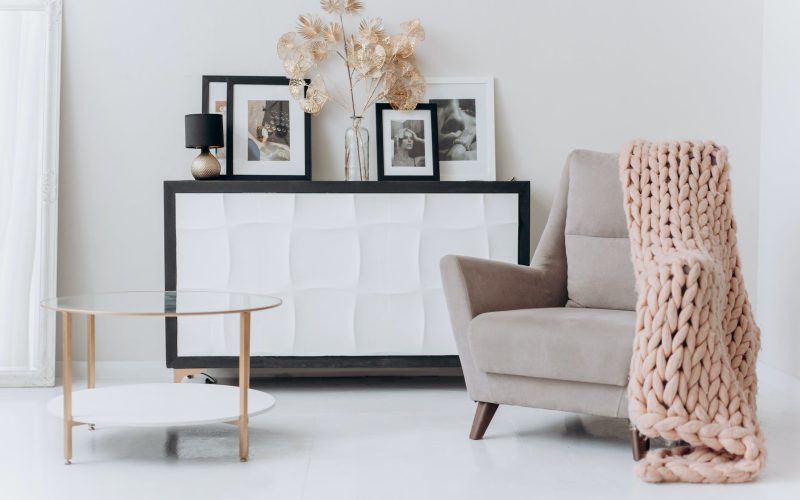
(152, 405)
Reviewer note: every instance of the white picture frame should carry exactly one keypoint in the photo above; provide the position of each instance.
(478, 163)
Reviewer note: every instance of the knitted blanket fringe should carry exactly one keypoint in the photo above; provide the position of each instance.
(693, 371)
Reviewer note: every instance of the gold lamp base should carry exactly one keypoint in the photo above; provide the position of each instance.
(205, 166)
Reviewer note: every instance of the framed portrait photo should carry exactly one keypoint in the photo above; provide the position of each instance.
(465, 132)
(215, 100)
(268, 134)
(407, 143)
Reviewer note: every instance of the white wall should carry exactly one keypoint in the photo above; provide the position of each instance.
(779, 231)
(568, 74)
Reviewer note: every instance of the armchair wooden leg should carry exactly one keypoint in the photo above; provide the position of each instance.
(483, 416)
(639, 443)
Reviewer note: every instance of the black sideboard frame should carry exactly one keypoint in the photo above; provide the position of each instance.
(171, 188)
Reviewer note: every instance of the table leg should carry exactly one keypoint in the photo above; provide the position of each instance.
(90, 355)
(67, 376)
(244, 382)
(90, 347)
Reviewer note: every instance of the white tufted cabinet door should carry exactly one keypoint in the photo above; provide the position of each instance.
(358, 271)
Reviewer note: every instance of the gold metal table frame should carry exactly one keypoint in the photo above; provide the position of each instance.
(244, 355)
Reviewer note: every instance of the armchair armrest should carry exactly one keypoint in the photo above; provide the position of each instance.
(474, 286)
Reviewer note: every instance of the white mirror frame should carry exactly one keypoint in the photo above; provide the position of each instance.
(42, 330)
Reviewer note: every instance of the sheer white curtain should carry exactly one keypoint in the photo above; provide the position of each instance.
(30, 35)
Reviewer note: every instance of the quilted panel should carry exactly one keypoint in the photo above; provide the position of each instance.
(358, 273)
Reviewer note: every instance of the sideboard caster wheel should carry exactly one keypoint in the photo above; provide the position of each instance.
(208, 379)
(67, 462)
(91, 427)
(243, 460)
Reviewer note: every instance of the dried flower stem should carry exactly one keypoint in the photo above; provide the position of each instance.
(352, 99)
(372, 99)
(335, 98)
(349, 70)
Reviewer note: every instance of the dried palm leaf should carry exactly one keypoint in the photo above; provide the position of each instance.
(332, 32)
(369, 60)
(353, 6)
(316, 96)
(402, 46)
(404, 86)
(298, 63)
(286, 44)
(318, 50)
(352, 47)
(309, 26)
(332, 6)
(407, 68)
(370, 30)
(310, 106)
(417, 89)
(398, 95)
(414, 29)
(296, 86)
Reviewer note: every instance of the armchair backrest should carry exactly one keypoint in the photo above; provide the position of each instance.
(585, 242)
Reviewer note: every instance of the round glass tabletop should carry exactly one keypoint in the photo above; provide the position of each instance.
(180, 303)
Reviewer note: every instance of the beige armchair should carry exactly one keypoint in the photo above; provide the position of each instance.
(557, 334)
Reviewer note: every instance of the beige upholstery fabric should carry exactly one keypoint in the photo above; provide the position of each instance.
(578, 397)
(572, 344)
(599, 269)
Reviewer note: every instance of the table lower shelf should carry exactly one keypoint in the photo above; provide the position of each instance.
(154, 405)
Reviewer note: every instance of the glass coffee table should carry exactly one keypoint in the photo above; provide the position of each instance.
(147, 405)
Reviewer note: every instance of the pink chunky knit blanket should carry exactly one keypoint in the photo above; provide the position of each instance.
(693, 371)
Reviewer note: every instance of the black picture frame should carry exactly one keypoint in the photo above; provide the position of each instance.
(206, 94)
(207, 80)
(232, 81)
(380, 108)
(174, 188)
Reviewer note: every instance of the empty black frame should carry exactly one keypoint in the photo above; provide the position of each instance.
(172, 188)
(431, 108)
(230, 143)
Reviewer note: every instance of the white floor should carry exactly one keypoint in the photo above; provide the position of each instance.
(366, 439)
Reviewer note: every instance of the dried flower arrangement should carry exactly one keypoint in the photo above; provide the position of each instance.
(384, 64)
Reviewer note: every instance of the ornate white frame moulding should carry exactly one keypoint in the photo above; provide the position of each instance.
(42, 372)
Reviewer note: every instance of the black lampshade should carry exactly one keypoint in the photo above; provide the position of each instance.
(204, 130)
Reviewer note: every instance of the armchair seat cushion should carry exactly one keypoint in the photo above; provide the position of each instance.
(559, 343)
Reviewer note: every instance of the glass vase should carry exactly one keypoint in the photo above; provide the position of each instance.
(356, 151)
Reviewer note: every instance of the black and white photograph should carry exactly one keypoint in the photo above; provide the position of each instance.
(268, 131)
(269, 136)
(465, 112)
(407, 143)
(458, 140)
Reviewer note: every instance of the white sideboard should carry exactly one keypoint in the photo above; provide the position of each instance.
(356, 264)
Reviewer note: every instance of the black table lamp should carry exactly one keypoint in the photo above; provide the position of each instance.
(204, 131)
